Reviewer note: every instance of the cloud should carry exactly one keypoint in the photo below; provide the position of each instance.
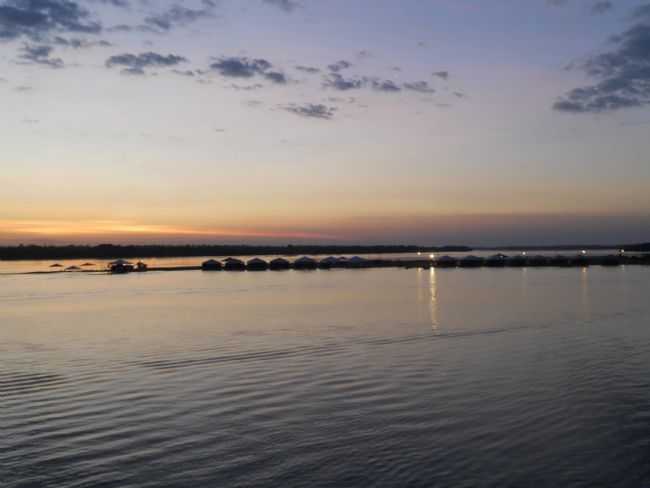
(120, 28)
(310, 110)
(337, 82)
(135, 64)
(242, 67)
(621, 75)
(114, 3)
(79, 43)
(601, 7)
(419, 86)
(308, 69)
(23, 88)
(177, 15)
(384, 85)
(188, 73)
(443, 75)
(286, 5)
(36, 19)
(276, 77)
(253, 103)
(256, 86)
(235, 67)
(339, 66)
(40, 55)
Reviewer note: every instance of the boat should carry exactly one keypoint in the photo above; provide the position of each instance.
(120, 266)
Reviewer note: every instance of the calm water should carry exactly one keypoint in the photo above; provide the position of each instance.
(382, 377)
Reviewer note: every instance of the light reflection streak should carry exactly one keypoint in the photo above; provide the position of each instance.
(433, 303)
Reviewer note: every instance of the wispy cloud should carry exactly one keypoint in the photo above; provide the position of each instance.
(310, 110)
(622, 74)
(135, 64)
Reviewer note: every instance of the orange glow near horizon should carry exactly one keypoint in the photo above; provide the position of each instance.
(117, 229)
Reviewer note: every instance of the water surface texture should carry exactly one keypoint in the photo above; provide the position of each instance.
(381, 377)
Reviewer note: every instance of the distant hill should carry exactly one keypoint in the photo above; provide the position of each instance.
(110, 251)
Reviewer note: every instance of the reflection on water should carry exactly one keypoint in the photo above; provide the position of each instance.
(382, 377)
(433, 304)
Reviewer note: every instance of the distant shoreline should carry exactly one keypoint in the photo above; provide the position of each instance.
(110, 251)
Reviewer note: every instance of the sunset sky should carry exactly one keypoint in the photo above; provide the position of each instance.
(478, 122)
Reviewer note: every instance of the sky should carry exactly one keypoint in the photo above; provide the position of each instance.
(430, 122)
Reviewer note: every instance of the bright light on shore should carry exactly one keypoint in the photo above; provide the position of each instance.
(432, 256)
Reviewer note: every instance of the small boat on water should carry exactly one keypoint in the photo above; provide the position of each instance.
(120, 266)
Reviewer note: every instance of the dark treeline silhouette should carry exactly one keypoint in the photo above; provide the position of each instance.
(643, 247)
(110, 251)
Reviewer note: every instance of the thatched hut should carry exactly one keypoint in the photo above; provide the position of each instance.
(445, 262)
(279, 264)
(537, 260)
(470, 262)
(211, 265)
(257, 264)
(327, 263)
(581, 260)
(518, 261)
(559, 260)
(357, 262)
(305, 263)
(232, 264)
(610, 260)
(496, 261)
